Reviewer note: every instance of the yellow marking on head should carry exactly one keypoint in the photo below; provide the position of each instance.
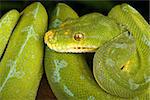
(48, 35)
(66, 33)
(62, 25)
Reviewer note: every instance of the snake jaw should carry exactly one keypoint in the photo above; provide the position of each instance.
(78, 49)
(74, 49)
(81, 49)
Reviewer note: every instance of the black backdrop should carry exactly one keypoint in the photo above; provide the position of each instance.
(80, 6)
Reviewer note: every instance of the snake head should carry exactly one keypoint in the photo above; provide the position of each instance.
(68, 41)
(85, 34)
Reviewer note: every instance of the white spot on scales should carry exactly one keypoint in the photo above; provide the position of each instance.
(133, 85)
(4, 21)
(126, 8)
(147, 78)
(82, 77)
(119, 45)
(136, 98)
(112, 81)
(12, 63)
(31, 32)
(110, 62)
(146, 40)
(59, 64)
(91, 98)
(12, 72)
(66, 90)
(34, 12)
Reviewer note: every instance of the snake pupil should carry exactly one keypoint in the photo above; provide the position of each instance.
(129, 33)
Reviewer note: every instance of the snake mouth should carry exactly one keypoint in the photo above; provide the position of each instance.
(79, 49)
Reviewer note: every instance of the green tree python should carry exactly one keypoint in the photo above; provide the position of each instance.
(121, 63)
(21, 66)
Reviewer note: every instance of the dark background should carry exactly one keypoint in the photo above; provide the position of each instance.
(81, 7)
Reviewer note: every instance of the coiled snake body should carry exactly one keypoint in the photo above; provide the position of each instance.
(121, 62)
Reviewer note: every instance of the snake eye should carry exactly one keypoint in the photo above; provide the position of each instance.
(78, 36)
